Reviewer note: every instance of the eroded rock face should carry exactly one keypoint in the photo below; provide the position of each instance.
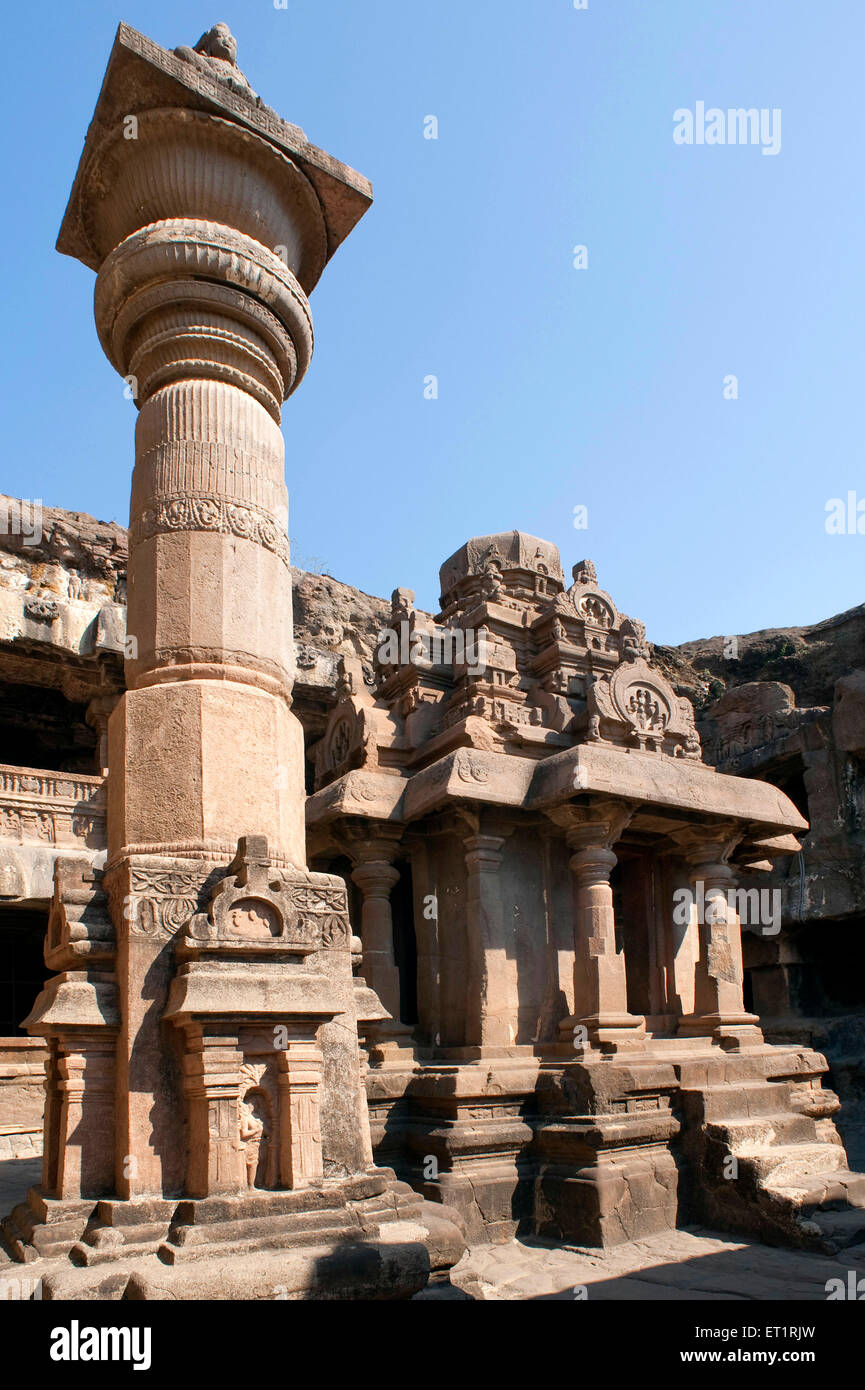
(808, 659)
(63, 590)
(331, 619)
(73, 542)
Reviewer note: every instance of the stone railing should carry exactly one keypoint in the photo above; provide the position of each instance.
(22, 1096)
(51, 809)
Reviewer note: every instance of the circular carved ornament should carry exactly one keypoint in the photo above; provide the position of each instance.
(593, 608)
(469, 770)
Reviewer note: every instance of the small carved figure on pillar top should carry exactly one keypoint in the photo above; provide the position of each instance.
(216, 54)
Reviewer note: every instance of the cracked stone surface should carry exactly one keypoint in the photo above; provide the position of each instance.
(692, 1264)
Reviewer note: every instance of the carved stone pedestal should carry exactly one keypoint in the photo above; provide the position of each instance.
(605, 1172)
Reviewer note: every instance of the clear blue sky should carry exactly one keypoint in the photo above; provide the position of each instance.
(557, 387)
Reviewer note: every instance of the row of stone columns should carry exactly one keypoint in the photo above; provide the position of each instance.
(601, 1021)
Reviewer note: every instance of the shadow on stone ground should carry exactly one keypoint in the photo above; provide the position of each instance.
(689, 1265)
(692, 1264)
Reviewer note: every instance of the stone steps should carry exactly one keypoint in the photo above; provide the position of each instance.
(791, 1183)
(783, 1165)
(33, 1234)
(681, 1047)
(832, 1189)
(744, 1100)
(784, 1128)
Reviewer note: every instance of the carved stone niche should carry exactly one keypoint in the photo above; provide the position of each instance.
(254, 1097)
(259, 910)
(637, 705)
(260, 973)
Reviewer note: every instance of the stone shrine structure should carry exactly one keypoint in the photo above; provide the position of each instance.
(492, 980)
(584, 1065)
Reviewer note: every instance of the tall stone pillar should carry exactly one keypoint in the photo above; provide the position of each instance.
(491, 988)
(238, 1071)
(719, 1006)
(208, 220)
(601, 1020)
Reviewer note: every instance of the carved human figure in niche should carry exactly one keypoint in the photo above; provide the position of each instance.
(647, 711)
(596, 611)
(254, 1136)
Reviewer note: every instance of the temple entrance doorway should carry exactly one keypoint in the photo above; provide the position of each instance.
(639, 902)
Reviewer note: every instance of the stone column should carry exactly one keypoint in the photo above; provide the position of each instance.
(208, 222)
(601, 1020)
(212, 1085)
(97, 715)
(299, 1082)
(375, 875)
(491, 994)
(719, 1007)
(82, 1148)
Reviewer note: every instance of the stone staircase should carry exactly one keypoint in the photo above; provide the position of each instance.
(763, 1152)
(41, 1228)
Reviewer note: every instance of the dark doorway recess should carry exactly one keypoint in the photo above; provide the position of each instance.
(22, 968)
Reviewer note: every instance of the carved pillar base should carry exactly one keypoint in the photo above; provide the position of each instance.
(152, 896)
(77, 1013)
(719, 1009)
(211, 1065)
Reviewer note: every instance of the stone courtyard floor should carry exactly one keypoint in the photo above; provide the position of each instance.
(692, 1264)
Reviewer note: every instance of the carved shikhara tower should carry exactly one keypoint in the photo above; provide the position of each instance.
(203, 1031)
